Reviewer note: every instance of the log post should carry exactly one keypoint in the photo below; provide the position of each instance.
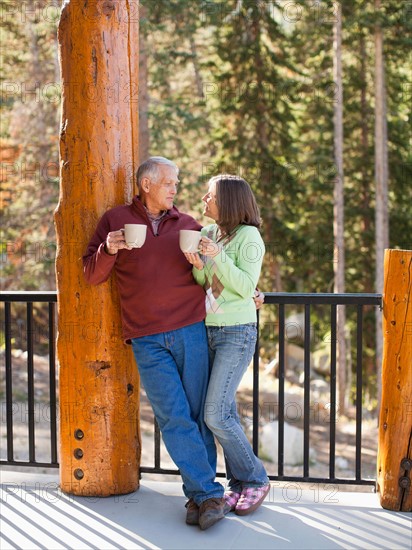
(395, 421)
(98, 381)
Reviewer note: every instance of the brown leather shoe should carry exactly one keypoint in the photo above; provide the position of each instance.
(192, 514)
(211, 511)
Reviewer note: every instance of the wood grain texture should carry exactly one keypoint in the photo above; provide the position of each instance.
(98, 381)
(395, 422)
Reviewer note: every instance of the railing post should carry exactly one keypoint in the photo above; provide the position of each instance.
(98, 382)
(394, 466)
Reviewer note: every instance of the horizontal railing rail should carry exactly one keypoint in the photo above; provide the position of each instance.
(281, 300)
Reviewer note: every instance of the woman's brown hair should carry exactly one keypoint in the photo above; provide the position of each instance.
(236, 203)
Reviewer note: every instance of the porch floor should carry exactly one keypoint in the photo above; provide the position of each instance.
(35, 514)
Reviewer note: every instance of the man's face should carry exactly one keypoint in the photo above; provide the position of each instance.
(160, 194)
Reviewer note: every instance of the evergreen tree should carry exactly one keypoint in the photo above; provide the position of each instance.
(177, 47)
(252, 119)
(238, 86)
(30, 103)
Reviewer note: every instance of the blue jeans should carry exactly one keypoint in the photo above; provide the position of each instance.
(174, 370)
(231, 349)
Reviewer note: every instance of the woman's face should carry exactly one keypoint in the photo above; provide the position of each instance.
(210, 209)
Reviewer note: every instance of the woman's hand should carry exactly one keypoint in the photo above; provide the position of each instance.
(209, 248)
(194, 259)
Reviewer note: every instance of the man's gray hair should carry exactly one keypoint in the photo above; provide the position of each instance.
(150, 169)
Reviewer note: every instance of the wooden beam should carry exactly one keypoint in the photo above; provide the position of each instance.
(98, 381)
(395, 421)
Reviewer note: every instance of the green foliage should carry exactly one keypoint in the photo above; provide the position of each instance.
(28, 147)
(267, 109)
(235, 86)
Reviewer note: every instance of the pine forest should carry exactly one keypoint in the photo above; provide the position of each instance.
(309, 101)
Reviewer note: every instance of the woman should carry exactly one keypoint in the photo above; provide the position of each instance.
(229, 267)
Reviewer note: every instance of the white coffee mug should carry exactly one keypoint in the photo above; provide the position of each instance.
(189, 240)
(135, 234)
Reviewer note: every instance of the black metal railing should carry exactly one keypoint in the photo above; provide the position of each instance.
(307, 301)
(9, 404)
(281, 300)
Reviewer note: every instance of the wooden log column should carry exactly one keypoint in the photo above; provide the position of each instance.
(395, 421)
(98, 380)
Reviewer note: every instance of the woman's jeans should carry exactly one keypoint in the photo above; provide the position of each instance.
(174, 370)
(231, 349)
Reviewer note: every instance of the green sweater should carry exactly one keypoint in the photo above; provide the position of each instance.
(231, 277)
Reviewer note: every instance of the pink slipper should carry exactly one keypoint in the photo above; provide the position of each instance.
(250, 499)
(231, 499)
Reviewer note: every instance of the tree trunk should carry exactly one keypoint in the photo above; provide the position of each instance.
(196, 68)
(338, 211)
(365, 198)
(366, 181)
(144, 99)
(275, 276)
(395, 422)
(99, 387)
(381, 180)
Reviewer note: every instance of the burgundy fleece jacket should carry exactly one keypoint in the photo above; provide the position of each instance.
(157, 290)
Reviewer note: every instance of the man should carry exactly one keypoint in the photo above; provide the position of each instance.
(163, 311)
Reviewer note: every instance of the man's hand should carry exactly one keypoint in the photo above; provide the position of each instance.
(259, 298)
(194, 259)
(115, 242)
